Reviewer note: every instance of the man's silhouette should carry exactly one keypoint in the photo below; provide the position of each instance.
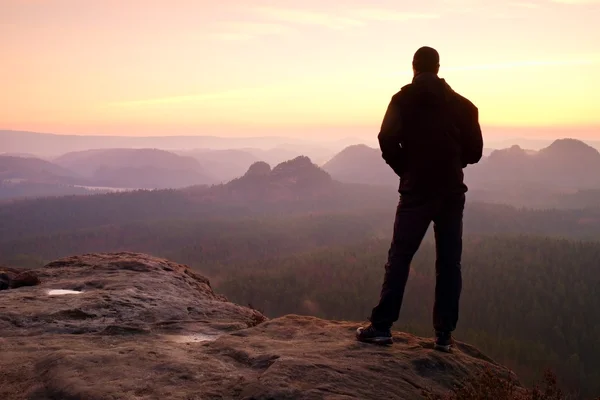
(428, 135)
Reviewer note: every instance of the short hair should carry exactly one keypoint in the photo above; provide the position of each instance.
(426, 59)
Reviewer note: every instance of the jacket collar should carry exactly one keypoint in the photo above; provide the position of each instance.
(425, 76)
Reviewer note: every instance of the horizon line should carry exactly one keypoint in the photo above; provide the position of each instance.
(313, 128)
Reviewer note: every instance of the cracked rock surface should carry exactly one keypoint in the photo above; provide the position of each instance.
(132, 326)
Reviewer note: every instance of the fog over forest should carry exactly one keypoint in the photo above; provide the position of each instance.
(303, 228)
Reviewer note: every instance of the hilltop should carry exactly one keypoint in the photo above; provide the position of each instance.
(295, 186)
(361, 164)
(98, 171)
(128, 325)
(20, 168)
(557, 176)
(564, 165)
(296, 177)
(135, 168)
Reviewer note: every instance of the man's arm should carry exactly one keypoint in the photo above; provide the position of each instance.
(390, 137)
(472, 138)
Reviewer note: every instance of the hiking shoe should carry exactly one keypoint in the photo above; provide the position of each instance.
(443, 341)
(370, 334)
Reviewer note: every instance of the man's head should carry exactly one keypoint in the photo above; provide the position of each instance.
(426, 59)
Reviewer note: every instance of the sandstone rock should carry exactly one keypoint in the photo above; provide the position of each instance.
(259, 168)
(132, 326)
(11, 278)
(24, 279)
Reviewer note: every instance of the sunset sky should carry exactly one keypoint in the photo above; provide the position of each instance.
(299, 68)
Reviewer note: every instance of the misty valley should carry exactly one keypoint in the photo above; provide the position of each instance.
(305, 230)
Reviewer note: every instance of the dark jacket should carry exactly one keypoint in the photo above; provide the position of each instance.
(428, 135)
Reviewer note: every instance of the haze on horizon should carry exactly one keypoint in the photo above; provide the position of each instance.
(177, 67)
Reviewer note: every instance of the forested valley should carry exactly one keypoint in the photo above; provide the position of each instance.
(530, 276)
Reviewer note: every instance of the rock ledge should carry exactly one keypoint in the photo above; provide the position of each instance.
(132, 326)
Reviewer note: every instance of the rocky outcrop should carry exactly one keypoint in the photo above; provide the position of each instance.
(298, 182)
(131, 326)
(259, 168)
(11, 278)
(299, 172)
(300, 169)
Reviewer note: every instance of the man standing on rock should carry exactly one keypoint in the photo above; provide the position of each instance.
(428, 135)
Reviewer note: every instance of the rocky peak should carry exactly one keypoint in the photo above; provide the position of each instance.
(354, 157)
(358, 149)
(300, 169)
(294, 166)
(259, 168)
(298, 173)
(512, 152)
(129, 325)
(570, 148)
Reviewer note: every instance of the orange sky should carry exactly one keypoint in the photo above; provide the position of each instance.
(240, 68)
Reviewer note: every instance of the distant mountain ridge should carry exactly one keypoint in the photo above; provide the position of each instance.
(53, 145)
(100, 170)
(556, 176)
(225, 165)
(222, 165)
(565, 164)
(34, 169)
(136, 168)
(295, 186)
(298, 172)
(294, 180)
(361, 164)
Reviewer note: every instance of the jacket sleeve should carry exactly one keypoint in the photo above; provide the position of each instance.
(471, 136)
(390, 137)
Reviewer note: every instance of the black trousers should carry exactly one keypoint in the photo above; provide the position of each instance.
(413, 217)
